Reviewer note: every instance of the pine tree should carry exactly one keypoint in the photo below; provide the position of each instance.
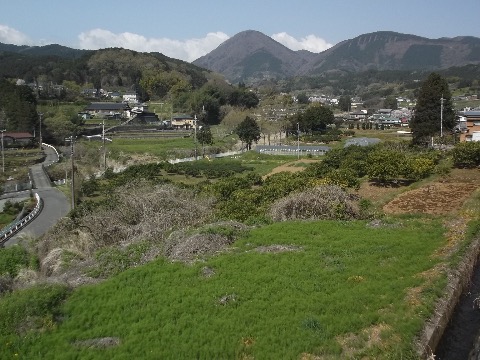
(426, 120)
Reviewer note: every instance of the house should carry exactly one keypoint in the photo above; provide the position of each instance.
(130, 97)
(108, 109)
(472, 126)
(357, 115)
(145, 118)
(115, 95)
(385, 112)
(183, 122)
(17, 138)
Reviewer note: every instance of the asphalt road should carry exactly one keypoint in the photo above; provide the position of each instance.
(55, 203)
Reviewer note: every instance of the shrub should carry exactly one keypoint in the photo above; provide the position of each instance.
(322, 202)
(345, 178)
(466, 155)
(12, 259)
(31, 309)
(418, 167)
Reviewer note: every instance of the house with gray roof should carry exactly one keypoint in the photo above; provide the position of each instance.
(108, 109)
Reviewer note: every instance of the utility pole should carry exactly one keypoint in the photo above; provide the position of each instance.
(40, 130)
(441, 116)
(71, 139)
(298, 140)
(195, 135)
(3, 154)
(104, 149)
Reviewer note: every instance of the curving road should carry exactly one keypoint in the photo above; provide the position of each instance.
(55, 203)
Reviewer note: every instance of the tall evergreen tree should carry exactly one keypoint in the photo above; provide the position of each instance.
(426, 120)
(248, 131)
(18, 106)
(205, 137)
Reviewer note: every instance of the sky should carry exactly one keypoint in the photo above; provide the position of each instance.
(189, 29)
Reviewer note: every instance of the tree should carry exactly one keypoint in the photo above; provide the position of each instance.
(385, 165)
(315, 118)
(204, 137)
(302, 98)
(344, 103)
(426, 120)
(390, 102)
(248, 131)
(18, 107)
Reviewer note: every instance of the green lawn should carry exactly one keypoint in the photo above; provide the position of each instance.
(345, 282)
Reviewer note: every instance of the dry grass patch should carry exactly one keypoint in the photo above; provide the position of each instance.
(294, 166)
(375, 336)
(277, 248)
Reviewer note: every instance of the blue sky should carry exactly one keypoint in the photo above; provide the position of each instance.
(188, 29)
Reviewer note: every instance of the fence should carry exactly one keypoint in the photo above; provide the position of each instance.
(7, 188)
(17, 225)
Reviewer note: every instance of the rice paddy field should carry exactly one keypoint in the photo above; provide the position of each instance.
(291, 290)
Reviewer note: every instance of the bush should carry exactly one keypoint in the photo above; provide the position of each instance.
(31, 309)
(327, 202)
(418, 167)
(466, 155)
(12, 259)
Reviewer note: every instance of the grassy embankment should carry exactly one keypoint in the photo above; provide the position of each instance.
(346, 290)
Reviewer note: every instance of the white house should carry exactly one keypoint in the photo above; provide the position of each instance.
(130, 97)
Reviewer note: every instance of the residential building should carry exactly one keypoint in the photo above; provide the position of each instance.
(471, 130)
(183, 122)
(130, 97)
(17, 138)
(108, 109)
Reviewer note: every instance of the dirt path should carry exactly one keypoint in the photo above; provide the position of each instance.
(293, 166)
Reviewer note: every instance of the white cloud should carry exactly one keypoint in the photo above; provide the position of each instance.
(311, 42)
(187, 50)
(9, 35)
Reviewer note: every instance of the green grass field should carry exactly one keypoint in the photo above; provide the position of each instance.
(344, 282)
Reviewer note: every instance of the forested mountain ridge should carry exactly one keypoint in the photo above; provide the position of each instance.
(249, 57)
(46, 50)
(239, 60)
(152, 73)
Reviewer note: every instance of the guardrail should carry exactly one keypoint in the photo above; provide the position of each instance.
(16, 226)
(199, 157)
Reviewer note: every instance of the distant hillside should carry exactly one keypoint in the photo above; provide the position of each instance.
(253, 55)
(106, 68)
(47, 50)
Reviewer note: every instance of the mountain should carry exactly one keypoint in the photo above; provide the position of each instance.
(251, 55)
(46, 50)
(106, 68)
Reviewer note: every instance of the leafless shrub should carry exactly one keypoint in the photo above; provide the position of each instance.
(26, 278)
(139, 212)
(322, 202)
(185, 245)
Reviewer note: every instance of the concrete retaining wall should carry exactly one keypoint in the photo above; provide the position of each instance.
(458, 281)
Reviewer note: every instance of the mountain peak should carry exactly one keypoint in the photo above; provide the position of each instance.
(252, 55)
